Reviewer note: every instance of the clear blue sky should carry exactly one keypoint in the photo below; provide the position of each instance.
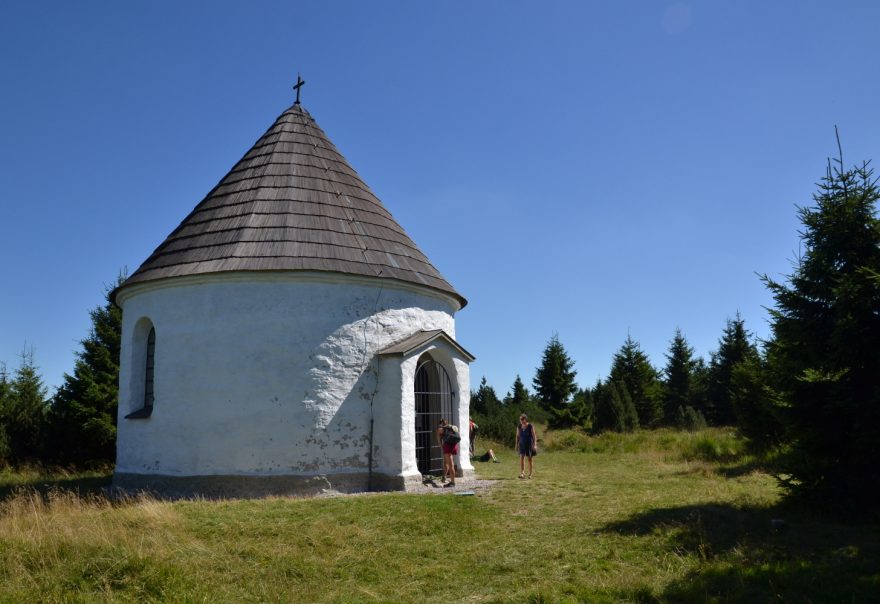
(588, 168)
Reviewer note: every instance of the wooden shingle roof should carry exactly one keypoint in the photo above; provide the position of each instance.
(292, 203)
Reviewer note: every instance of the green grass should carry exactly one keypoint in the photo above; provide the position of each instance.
(647, 517)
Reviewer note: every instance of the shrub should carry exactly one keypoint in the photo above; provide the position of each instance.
(500, 425)
(567, 440)
(689, 419)
(712, 446)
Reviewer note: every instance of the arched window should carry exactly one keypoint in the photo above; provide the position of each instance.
(433, 398)
(143, 370)
(150, 366)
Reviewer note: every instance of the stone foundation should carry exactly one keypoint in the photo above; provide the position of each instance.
(250, 487)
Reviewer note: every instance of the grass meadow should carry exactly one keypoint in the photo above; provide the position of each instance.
(655, 516)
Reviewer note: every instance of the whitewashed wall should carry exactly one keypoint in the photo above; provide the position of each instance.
(273, 374)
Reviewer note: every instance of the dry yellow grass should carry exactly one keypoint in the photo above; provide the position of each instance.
(54, 544)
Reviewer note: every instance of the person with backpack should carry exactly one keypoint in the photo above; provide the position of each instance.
(448, 436)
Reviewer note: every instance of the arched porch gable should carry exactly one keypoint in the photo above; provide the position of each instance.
(399, 364)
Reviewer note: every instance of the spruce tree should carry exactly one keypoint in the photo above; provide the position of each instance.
(554, 381)
(484, 401)
(679, 372)
(519, 396)
(826, 337)
(519, 400)
(83, 415)
(614, 408)
(628, 419)
(700, 387)
(582, 408)
(755, 404)
(24, 413)
(603, 414)
(5, 401)
(735, 346)
(632, 367)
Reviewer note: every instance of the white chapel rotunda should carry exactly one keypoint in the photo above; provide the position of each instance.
(288, 337)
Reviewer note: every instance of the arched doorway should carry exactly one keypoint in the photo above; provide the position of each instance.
(433, 397)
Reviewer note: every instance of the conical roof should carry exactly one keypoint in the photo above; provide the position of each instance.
(292, 203)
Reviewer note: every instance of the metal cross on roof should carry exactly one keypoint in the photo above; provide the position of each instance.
(299, 83)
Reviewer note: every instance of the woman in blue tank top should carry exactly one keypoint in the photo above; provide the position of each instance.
(526, 443)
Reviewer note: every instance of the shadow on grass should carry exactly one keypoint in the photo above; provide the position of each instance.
(743, 469)
(81, 485)
(753, 554)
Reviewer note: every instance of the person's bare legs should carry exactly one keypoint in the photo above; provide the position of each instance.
(522, 466)
(530, 466)
(449, 468)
